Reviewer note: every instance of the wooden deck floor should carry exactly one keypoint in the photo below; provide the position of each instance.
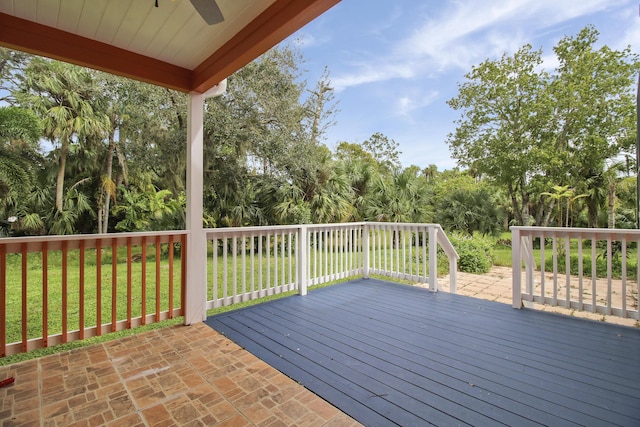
(389, 354)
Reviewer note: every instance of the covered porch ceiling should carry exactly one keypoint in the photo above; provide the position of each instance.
(169, 45)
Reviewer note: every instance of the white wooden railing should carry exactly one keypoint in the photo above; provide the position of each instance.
(254, 262)
(58, 289)
(584, 269)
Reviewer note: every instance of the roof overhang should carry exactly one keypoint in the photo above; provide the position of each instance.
(181, 62)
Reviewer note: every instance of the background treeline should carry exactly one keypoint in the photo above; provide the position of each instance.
(85, 152)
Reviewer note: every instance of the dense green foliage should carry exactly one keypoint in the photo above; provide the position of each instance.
(529, 129)
(82, 151)
(476, 253)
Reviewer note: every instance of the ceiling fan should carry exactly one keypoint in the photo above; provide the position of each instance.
(208, 9)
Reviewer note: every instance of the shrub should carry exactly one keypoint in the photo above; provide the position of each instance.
(475, 253)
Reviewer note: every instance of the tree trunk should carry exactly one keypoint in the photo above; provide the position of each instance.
(64, 149)
(611, 205)
(592, 212)
(547, 216)
(106, 192)
(514, 202)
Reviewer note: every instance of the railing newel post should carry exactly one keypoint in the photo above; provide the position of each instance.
(433, 259)
(302, 258)
(516, 268)
(365, 254)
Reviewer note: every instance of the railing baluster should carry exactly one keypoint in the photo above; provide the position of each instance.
(170, 248)
(129, 282)
(98, 287)
(555, 270)
(225, 270)
(65, 298)
(158, 280)
(580, 275)
(183, 272)
(609, 273)
(567, 266)
(244, 267)
(269, 239)
(234, 270)
(253, 270)
(594, 274)
(403, 242)
(315, 258)
(24, 297)
(624, 277)
(282, 260)
(81, 296)
(425, 273)
(542, 268)
(143, 298)
(638, 279)
(216, 300)
(384, 249)
(114, 284)
(290, 263)
(45, 295)
(3, 300)
(260, 251)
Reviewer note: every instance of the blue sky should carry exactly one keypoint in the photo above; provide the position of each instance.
(394, 63)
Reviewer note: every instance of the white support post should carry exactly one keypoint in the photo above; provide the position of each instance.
(196, 292)
(302, 259)
(516, 269)
(433, 259)
(365, 251)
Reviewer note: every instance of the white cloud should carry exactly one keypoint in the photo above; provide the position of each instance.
(405, 105)
(467, 32)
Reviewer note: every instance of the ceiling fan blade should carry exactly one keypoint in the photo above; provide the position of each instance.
(209, 11)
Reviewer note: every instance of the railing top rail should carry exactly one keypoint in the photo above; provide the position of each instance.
(262, 228)
(601, 233)
(446, 244)
(405, 224)
(13, 244)
(70, 237)
(257, 228)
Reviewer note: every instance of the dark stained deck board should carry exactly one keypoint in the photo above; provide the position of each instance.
(393, 354)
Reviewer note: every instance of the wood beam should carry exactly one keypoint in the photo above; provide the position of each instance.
(28, 36)
(277, 22)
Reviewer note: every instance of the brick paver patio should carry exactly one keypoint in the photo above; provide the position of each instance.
(182, 375)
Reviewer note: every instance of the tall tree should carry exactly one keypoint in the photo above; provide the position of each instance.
(19, 150)
(503, 131)
(593, 92)
(62, 94)
(385, 151)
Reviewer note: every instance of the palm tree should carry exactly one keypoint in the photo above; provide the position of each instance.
(400, 198)
(62, 95)
(19, 133)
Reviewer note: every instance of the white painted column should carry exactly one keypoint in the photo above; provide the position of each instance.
(196, 294)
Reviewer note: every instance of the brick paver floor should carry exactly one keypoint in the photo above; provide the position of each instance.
(175, 376)
(496, 286)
